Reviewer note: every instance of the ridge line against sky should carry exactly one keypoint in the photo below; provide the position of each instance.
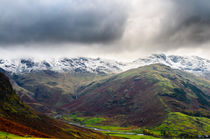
(117, 29)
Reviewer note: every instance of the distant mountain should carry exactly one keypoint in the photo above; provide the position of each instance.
(193, 64)
(80, 64)
(45, 91)
(19, 119)
(144, 96)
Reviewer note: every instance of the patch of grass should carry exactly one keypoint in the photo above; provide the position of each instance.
(117, 128)
(179, 124)
(7, 135)
(93, 120)
(4, 135)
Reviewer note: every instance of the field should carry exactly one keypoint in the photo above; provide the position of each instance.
(99, 122)
(111, 130)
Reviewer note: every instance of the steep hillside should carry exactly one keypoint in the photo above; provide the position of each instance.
(17, 118)
(19, 129)
(10, 103)
(144, 96)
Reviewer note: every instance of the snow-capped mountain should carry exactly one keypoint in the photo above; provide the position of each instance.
(193, 64)
(80, 64)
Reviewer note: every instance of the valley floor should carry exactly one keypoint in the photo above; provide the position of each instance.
(176, 125)
(93, 123)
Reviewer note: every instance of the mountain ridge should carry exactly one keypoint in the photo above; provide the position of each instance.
(193, 64)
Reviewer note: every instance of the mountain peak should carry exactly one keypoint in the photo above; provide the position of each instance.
(193, 64)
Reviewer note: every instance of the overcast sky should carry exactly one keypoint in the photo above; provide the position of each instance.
(114, 29)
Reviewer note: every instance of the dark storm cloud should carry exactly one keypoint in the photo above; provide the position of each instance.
(186, 24)
(61, 21)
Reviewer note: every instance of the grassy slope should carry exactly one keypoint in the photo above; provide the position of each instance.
(179, 124)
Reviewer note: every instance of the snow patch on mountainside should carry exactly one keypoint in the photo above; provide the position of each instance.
(193, 64)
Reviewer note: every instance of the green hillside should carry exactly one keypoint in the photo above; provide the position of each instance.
(178, 124)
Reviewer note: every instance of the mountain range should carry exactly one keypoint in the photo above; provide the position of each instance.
(193, 64)
(48, 84)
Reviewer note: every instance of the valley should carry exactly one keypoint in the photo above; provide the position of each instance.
(19, 119)
(149, 101)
